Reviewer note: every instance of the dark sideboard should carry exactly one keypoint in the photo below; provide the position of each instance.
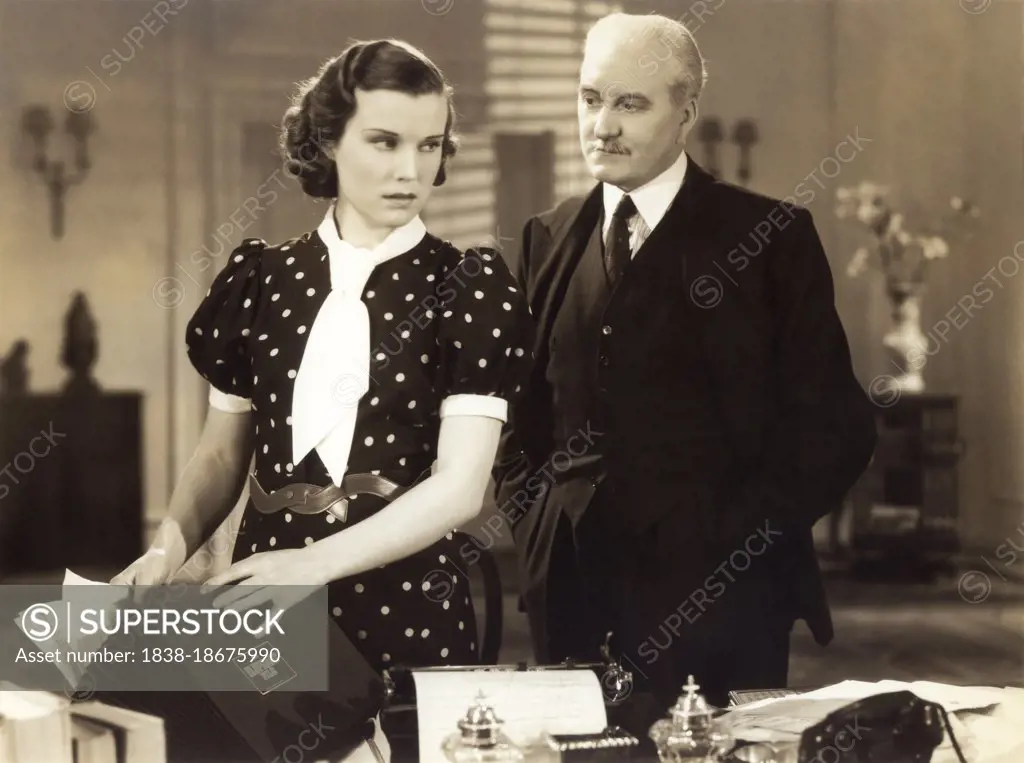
(70, 481)
(906, 506)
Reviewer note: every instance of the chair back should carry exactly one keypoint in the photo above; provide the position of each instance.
(490, 643)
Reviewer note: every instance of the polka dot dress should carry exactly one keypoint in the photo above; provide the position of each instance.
(442, 323)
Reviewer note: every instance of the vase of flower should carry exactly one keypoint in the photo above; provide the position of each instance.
(904, 258)
(904, 341)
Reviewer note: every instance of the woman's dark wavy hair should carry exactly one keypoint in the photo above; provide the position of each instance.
(325, 103)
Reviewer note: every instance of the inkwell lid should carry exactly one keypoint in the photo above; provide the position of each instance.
(481, 726)
(691, 730)
(691, 710)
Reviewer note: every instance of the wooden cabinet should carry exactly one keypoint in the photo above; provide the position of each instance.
(71, 481)
(906, 506)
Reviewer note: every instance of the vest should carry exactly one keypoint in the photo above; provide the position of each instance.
(624, 369)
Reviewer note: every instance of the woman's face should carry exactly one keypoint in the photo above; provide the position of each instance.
(389, 154)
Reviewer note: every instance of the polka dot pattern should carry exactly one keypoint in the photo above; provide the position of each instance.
(441, 323)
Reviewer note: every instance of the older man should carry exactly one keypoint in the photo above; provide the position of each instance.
(687, 326)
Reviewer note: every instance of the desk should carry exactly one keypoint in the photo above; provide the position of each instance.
(969, 733)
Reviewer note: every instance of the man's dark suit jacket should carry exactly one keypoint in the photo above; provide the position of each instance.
(748, 275)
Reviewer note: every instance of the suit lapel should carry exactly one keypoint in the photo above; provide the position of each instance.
(554, 276)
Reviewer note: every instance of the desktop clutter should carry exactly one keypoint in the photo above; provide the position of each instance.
(567, 712)
(516, 714)
(851, 722)
(557, 713)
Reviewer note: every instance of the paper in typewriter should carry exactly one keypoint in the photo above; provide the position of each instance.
(530, 702)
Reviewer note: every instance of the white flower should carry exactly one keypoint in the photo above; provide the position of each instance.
(934, 248)
(858, 262)
(866, 213)
(956, 202)
(844, 194)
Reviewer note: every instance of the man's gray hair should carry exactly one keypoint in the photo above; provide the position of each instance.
(671, 36)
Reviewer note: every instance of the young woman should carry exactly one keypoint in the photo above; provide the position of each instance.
(369, 365)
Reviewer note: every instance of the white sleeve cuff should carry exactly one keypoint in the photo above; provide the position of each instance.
(475, 405)
(222, 401)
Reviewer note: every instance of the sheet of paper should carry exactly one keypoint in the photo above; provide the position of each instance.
(104, 596)
(993, 735)
(60, 641)
(980, 708)
(530, 702)
(953, 698)
(73, 578)
(786, 717)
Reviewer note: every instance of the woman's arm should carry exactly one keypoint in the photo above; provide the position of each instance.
(209, 486)
(449, 497)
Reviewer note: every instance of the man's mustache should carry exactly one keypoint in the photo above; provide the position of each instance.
(610, 148)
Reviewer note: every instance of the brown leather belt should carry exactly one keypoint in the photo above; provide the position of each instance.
(304, 498)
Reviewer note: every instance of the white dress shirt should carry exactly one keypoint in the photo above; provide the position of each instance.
(333, 374)
(652, 201)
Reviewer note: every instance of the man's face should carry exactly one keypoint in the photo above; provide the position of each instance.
(630, 128)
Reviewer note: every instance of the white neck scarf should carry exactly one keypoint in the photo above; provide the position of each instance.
(334, 373)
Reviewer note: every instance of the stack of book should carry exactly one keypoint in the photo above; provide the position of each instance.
(42, 727)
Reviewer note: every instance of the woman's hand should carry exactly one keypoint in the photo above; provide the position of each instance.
(159, 564)
(283, 578)
(155, 567)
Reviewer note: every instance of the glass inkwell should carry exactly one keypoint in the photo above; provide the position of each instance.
(481, 738)
(690, 733)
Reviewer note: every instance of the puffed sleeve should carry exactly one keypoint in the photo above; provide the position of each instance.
(217, 337)
(485, 336)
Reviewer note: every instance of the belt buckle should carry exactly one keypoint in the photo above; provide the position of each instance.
(339, 509)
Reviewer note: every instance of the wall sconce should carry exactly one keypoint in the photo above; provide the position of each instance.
(710, 133)
(38, 123)
(745, 135)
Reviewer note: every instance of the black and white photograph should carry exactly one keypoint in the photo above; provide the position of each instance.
(479, 381)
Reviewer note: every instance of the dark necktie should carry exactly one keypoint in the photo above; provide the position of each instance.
(617, 252)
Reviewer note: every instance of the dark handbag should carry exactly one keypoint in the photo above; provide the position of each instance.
(897, 727)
